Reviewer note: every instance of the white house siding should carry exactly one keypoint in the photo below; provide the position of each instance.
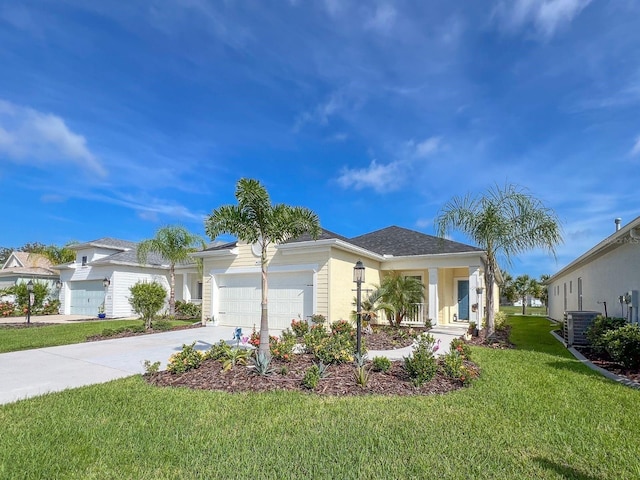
(604, 278)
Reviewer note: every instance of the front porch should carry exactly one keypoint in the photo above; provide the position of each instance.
(453, 296)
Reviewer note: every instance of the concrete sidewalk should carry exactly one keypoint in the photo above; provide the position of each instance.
(30, 373)
(442, 333)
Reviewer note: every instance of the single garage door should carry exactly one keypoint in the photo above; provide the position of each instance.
(86, 297)
(290, 296)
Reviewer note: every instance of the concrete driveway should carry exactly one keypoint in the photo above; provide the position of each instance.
(30, 373)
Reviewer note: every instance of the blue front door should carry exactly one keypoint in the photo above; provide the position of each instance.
(463, 300)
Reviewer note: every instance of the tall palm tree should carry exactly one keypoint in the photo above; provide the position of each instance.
(174, 243)
(505, 222)
(524, 286)
(256, 220)
(399, 295)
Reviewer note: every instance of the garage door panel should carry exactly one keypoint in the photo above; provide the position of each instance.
(290, 296)
(86, 297)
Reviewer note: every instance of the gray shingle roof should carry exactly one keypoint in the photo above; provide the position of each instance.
(324, 235)
(105, 242)
(398, 241)
(125, 251)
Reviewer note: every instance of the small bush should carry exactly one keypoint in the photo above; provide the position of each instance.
(381, 364)
(186, 310)
(623, 344)
(299, 327)
(147, 299)
(262, 364)
(361, 376)
(151, 368)
(341, 326)
(162, 325)
(500, 321)
(7, 309)
(311, 377)
(335, 349)
(236, 356)
(108, 332)
(422, 365)
(600, 327)
(452, 364)
(318, 319)
(459, 345)
(186, 359)
(316, 335)
(219, 351)
(282, 348)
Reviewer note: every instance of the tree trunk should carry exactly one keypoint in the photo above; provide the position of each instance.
(172, 290)
(524, 305)
(264, 315)
(489, 278)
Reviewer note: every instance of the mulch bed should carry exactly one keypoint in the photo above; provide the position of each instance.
(499, 340)
(340, 381)
(289, 375)
(603, 360)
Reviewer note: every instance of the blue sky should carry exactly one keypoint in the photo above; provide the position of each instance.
(119, 117)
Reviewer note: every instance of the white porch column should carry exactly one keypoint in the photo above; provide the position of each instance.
(186, 287)
(433, 296)
(474, 282)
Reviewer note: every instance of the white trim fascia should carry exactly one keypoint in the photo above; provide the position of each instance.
(611, 241)
(216, 253)
(313, 246)
(476, 253)
(275, 269)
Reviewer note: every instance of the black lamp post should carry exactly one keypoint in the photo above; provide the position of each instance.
(106, 282)
(29, 293)
(358, 278)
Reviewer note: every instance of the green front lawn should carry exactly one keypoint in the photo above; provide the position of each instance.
(535, 413)
(511, 310)
(14, 339)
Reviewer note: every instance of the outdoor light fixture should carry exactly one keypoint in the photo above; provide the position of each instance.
(58, 284)
(30, 293)
(358, 278)
(106, 282)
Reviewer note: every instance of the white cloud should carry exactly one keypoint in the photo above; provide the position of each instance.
(547, 16)
(380, 178)
(333, 7)
(383, 19)
(426, 147)
(321, 113)
(636, 147)
(27, 135)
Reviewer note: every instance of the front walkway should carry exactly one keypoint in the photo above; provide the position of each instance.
(442, 333)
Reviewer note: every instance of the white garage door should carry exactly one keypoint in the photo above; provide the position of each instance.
(290, 296)
(86, 297)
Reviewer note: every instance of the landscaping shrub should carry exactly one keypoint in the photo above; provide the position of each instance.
(262, 364)
(299, 327)
(623, 344)
(381, 364)
(218, 351)
(282, 348)
(7, 309)
(21, 292)
(500, 321)
(147, 299)
(361, 376)
(312, 340)
(600, 326)
(342, 326)
(461, 347)
(318, 319)
(421, 365)
(235, 356)
(311, 377)
(335, 349)
(186, 310)
(186, 359)
(452, 364)
(162, 325)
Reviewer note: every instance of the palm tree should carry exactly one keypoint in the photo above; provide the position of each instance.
(525, 286)
(544, 292)
(504, 222)
(174, 244)
(399, 295)
(256, 220)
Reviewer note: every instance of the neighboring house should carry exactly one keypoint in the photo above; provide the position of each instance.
(609, 272)
(21, 267)
(316, 276)
(531, 302)
(105, 269)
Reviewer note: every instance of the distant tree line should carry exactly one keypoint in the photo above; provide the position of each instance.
(57, 255)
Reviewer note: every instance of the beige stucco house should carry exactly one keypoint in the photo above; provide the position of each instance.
(309, 277)
(608, 274)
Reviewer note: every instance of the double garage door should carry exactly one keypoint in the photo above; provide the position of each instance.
(290, 297)
(86, 297)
